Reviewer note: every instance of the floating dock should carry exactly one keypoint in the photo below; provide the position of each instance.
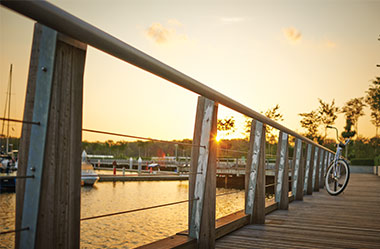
(112, 178)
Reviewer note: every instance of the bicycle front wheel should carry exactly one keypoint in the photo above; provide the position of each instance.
(337, 177)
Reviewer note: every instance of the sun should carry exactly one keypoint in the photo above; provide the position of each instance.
(218, 138)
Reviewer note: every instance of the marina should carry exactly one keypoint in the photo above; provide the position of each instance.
(139, 191)
(127, 230)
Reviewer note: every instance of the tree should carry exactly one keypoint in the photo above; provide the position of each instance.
(373, 100)
(347, 133)
(375, 115)
(327, 114)
(310, 121)
(227, 124)
(272, 113)
(353, 110)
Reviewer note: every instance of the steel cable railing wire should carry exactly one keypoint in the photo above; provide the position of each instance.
(20, 121)
(68, 24)
(14, 231)
(138, 137)
(15, 177)
(147, 208)
(109, 133)
(136, 210)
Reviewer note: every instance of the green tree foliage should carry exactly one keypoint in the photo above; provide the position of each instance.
(311, 121)
(233, 148)
(363, 148)
(271, 138)
(373, 100)
(227, 125)
(347, 133)
(272, 113)
(353, 110)
(375, 115)
(327, 114)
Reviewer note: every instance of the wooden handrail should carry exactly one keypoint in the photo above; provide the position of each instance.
(62, 21)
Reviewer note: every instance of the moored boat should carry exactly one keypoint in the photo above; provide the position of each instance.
(88, 177)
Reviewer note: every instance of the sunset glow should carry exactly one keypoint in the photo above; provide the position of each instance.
(260, 53)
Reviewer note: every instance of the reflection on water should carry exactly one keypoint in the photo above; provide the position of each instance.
(110, 172)
(133, 229)
(7, 219)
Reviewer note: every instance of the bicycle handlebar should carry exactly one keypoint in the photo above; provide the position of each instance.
(331, 127)
(337, 136)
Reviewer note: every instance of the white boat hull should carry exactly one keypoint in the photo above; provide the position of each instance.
(89, 176)
(89, 180)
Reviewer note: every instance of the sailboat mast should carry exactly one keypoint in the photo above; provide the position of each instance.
(9, 106)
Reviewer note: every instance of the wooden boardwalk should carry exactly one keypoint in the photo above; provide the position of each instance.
(350, 220)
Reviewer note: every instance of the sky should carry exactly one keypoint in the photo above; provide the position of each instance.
(260, 53)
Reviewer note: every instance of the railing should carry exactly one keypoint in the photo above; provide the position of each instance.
(46, 122)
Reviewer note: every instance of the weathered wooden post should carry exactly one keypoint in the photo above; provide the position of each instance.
(329, 160)
(49, 203)
(316, 169)
(297, 170)
(308, 171)
(282, 185)
(255, 174)
(202, 180)
(321, 168)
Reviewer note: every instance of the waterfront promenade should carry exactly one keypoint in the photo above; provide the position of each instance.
(49, 196)
(349, 220)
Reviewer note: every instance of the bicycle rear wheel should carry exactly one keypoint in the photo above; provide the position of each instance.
(337, 177)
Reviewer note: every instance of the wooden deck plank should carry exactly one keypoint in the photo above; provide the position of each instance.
(350, 220)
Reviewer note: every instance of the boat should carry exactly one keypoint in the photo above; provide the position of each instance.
(7, 185)
(8, 163)
(88, 176)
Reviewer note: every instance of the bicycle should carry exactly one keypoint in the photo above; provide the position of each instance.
(338, 172)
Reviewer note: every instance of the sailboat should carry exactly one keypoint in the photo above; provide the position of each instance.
(5, 150)
(7, 162)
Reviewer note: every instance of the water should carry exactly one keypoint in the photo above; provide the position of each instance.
(110, 172)
(7, 218)
(133, 229)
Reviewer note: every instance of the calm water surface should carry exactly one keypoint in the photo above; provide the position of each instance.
(133, 229)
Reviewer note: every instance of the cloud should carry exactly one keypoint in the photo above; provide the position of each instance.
(162, 35)
(232, 19)
(330, 44)
(174, 22)
(292, 34)
(159, 33)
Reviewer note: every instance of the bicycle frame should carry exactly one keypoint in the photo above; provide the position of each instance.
(338, 171)
(337, 157)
